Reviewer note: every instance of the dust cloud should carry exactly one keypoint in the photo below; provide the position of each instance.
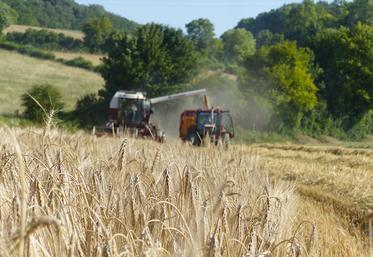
(224, 92)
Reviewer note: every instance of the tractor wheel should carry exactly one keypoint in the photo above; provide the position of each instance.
(193, 138)
(226, 141)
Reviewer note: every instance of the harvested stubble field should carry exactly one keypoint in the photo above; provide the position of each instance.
(77, 195)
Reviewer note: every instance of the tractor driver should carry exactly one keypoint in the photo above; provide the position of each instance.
(134, 110)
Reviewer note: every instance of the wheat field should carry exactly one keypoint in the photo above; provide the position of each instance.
(78, 195)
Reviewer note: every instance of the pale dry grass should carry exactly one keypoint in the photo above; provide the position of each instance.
(95, 59)
(78, 195)
(18, 73)
(22, 28)
(340, 176)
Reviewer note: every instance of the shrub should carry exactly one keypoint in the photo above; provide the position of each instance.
(46, 40)
(40, 100)
(27, 50)
(80, 62)
(33, 52)
(90, 110)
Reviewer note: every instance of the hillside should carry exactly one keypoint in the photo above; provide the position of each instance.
(64, 14)
(19, 73)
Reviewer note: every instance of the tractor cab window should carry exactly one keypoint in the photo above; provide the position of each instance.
(205, 118)
(227, 122)
(131, 110)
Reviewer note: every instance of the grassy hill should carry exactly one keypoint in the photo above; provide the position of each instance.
(95, 59)
(18, 73)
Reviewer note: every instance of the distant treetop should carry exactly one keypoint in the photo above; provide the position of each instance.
(64, 14)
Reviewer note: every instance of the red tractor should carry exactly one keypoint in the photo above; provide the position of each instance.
(199, 125)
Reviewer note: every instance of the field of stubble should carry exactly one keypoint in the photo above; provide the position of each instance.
(77, 195)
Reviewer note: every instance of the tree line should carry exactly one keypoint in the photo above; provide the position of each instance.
(62, 14)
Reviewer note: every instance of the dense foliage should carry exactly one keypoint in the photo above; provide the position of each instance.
(96, 33)
(155, 59)
(346, 57)
(337, 38)
(64, 14)
(40, 100)
(282, 74)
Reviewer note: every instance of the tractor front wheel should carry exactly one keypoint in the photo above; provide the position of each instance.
(226, 141)
(193, 138)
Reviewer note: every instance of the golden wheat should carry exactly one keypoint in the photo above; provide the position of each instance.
(77, 195)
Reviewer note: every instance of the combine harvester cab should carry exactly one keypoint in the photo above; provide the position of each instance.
(216, 125)
(130, 113)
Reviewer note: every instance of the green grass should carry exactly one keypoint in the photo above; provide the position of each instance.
(19, 73)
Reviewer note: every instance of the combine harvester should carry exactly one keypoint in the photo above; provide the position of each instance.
(209, 124)
(130, 113)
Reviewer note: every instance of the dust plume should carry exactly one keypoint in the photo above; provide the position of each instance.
(223, 91)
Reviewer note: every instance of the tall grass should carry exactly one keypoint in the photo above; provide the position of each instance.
(78, 195)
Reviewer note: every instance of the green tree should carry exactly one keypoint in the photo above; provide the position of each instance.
(96, 32)
(7, 16)
(201, 32)
(40, 100)
(267, 38)
(346, 57)
(305, 20)
(282, 74)
(157, 59)
(360, 11)
(238, 44)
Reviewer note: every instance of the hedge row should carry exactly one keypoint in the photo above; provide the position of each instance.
(37, 53)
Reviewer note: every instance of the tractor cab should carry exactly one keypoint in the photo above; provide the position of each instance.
(214, 122)
(129, 109)
(196, 125)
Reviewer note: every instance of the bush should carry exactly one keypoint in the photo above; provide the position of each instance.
(46, 39)
(79, 62)
(90, 110)
(33, 52)
(40, 100)
(27, 50)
